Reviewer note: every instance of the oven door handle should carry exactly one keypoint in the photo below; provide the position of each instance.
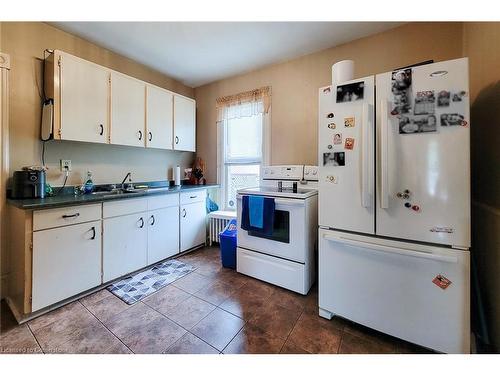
(283, 201)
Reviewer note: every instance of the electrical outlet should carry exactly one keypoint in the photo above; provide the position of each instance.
(65, 165)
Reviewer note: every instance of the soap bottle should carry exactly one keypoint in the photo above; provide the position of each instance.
(88, 186)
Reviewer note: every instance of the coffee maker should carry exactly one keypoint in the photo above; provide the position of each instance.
(28, 183)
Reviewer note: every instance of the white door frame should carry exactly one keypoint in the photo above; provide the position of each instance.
(4, 161)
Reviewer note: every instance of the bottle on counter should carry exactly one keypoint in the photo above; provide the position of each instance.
(88, 186)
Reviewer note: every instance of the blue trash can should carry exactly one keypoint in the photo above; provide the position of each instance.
(228, 245)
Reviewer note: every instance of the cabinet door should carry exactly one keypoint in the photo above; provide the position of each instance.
(125, 241)
(66, 261)
(128, 111)
(184, 124)
(193, 229)
(159, 118)
(163, 233)
(84, 90)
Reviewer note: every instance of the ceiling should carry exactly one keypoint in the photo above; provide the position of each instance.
(196, 53)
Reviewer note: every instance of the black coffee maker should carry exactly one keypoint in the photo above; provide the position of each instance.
(28, 184)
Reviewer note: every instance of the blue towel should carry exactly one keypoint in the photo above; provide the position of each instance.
(268, 207)
(256, 211)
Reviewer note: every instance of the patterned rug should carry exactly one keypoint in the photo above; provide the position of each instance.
(134, 288)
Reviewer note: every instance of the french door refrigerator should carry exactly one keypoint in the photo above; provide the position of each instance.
(394, 203)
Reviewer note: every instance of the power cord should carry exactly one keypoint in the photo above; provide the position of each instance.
(64, 183)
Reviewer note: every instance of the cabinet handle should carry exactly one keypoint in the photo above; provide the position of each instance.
(193, 196)
(93, 233)
(153, 220)
(142, 222)
(150, 136)
(176, 140)
(140, 134)
(102, 129)
(70, 216)
(183, 212)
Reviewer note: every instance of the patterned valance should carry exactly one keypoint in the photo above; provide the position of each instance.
(244, 104)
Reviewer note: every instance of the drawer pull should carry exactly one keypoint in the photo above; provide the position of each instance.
(150, 136)
(93, 233)
(193, 196)
(70, 216)
(101, 132)
(140, 134)
(141, 220)
(152, 220)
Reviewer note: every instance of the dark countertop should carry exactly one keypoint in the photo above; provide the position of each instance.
(71, 199)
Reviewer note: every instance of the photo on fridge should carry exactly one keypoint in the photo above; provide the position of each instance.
(350, 92)
(452, 119)
(334, 159)
(417, 124)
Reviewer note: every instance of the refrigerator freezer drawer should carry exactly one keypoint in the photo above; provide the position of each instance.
(290, 275)
(388, 286)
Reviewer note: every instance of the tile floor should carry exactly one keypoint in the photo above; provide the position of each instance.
(212, 310)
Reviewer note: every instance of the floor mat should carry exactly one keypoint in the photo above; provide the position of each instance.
(133, 288)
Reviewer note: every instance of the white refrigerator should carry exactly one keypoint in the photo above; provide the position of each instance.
(394, 203)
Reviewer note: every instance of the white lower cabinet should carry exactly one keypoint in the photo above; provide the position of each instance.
(192, 221)
(66, 261)
(125, 242)
(163, 233)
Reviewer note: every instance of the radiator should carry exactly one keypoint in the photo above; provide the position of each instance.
(217, 221)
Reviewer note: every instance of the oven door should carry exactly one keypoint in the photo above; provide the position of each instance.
(288, 238)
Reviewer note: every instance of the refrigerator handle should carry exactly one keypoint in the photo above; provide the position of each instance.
(365, 157)
(390, 249)
(384, 198)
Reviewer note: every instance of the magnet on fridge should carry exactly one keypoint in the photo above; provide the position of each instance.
(337, 139)
(330, 115)
(415, 208)
(349, 143)
(332, 179)
(441, 282)
(457, 96)
(349, 122)
(408, 205)
(443, 99)
(332, 125)
(326, 90)
(329, 147)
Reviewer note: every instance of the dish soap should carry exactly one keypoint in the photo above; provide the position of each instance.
(88, 186)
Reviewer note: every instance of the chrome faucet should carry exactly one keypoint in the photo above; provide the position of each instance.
(129, 185)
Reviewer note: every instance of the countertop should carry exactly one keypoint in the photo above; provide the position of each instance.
(72, 200)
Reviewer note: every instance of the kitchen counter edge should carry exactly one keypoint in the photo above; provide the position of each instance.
(72, 200)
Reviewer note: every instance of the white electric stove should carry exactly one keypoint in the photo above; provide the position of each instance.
(286, 257)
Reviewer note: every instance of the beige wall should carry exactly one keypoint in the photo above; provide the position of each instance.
(25, 42)
(481, 45)
(295, 86)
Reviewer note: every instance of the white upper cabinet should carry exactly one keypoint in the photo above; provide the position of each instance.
(128, 109)
(159, 118)
(84, 90)
(95, 104)
(184, 124)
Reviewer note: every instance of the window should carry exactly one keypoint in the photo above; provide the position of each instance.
(243, 138)
(242, 155)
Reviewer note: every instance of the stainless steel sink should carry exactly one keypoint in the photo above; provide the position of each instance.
(115, 192)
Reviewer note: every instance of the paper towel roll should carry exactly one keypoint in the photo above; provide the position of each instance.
(177, 176)
(342, 71)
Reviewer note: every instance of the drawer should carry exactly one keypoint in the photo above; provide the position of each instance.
(163, 201)
(124, 207)
(193, 196)
(57, 217)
